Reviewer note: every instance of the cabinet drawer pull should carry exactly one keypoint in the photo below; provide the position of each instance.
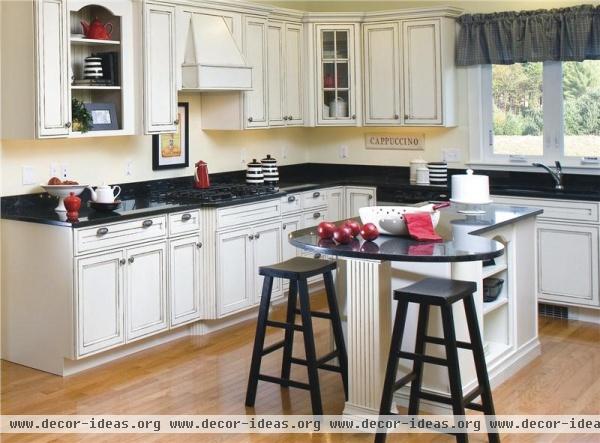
(250, 119)
(186, 217)
(370, 197)
(131, 260)
(291, 198)
(251, 237)
(147, 223)
(102, 231)
(316, 194)
(122, 261)
(316, 215)
(199, 245)
(257, 236)
(67, 125)
(317, 255)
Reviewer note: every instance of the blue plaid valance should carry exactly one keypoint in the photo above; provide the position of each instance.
(567, 34)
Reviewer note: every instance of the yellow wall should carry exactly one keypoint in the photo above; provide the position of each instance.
(97, 160)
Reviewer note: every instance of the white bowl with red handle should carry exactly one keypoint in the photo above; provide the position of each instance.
(390, 219)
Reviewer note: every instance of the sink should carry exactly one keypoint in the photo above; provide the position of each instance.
(547, 192)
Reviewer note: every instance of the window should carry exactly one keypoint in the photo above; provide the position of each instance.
(542, 112)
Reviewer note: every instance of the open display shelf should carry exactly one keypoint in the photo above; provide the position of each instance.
(105, 96)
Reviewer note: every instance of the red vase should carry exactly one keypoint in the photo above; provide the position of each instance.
(72, 203)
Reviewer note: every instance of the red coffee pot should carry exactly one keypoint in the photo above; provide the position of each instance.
(97, 30)
(201, 180)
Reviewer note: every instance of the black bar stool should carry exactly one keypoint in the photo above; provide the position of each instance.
(443, 293)
(297, 270)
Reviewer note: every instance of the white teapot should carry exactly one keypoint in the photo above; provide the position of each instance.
(104, 193)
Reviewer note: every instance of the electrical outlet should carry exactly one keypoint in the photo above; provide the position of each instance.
(129, 167)
(29, 177)
(243, 156)
(64, 171)
(343, 151)
(54, 169)
(451, 155)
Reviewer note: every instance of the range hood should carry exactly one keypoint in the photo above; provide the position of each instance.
(213, 61)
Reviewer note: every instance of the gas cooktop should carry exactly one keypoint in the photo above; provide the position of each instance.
(218, 193)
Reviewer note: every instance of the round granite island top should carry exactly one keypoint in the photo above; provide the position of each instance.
(460, 239)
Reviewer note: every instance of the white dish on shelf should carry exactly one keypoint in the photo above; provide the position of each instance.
(390, 219)
(62, 191)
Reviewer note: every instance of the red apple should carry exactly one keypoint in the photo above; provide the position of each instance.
(342, 235)
(369, 232)
(354, 226)
(325, 230)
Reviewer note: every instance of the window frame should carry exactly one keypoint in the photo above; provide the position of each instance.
(553, 131)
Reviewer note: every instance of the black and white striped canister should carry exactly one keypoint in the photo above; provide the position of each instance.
(254, 173)
(270, 170)
(438, 173)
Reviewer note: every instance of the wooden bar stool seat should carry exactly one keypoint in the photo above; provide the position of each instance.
(297, 270)
(442, 293)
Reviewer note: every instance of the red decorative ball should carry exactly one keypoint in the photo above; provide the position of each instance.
(369, 232)
(354, 226)
(325, 230)
(342, 235)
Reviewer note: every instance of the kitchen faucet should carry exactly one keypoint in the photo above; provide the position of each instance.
(555, 173)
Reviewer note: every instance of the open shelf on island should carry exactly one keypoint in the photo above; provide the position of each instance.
(493, 305)
(493, 350)
(96, 87)
(93, 41)
(491, 270)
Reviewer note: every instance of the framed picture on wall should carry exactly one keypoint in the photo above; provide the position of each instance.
(171, 151)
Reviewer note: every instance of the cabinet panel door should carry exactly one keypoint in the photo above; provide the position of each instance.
(184, 272)
(289, 225)
(160, 104)
(99, 302)
(568, 263)
(275, 74)
(357, 198)
(294, 85)
(53, 87)
(335, 204)
(267, 251)
(255, 50)
(146, 290)
(382, 74)
(235, 276)
(422, 72)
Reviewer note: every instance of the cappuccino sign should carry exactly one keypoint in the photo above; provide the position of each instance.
(395, 141)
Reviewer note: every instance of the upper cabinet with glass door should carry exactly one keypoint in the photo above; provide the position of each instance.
(336, 76)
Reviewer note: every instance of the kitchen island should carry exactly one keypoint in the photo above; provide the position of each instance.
(499, 243)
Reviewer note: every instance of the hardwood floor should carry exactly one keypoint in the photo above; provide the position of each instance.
(208, 374)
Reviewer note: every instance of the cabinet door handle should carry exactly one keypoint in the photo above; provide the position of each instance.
(284, 226)
(406, 117)
(250, 119)
(316, 215)
(147, 223)
(186, 217)
(285, 117)
(251, 237)
(353, 116)
(396, 116)
(199, 245)
(316, 194)
(122, 262)
(102, 231)
(291, 198)
(370, 197)
(257, 236)
(67, 124)
(131, 260)
(176, 121)
(290, 118)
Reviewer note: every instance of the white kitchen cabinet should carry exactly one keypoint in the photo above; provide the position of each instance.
(235, 279)
(290, 224)
(160, 81)
(358, 197)
(146, 290)
(422, 72)
(336, 82)
(284, 73)
(100, 302)
(568, 263)
(255, 50)
(335, 203)
(382, 81)
(54, 108)
(266, 251)
(185, 262)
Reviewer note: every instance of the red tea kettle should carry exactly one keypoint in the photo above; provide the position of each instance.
(201, 180)
(97, 30)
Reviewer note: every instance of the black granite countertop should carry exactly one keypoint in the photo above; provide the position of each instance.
(461, 241)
